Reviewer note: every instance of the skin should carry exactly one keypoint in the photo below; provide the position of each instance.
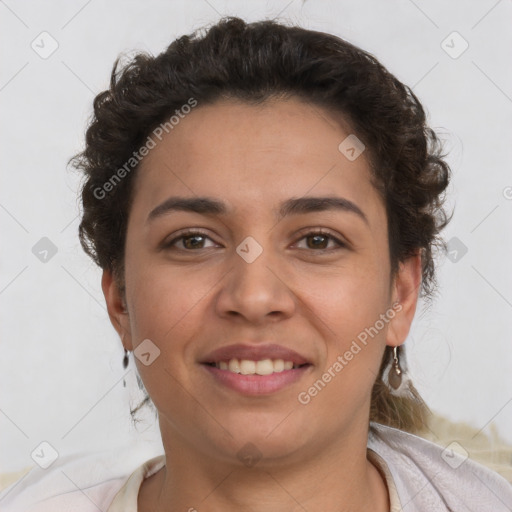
(189, 303)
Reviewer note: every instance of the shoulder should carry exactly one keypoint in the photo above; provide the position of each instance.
(79, 482)
(430, 477)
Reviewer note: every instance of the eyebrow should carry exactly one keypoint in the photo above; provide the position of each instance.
(214, 207)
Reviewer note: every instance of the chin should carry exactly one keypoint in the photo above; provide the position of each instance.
(271, 436)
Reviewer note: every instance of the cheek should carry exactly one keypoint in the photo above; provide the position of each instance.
(166, 308)
(163, 297)
(350, 309)
(350, 300)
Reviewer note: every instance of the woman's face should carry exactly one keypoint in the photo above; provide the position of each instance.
(256, 280)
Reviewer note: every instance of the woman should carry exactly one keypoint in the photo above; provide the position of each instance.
(264, 202)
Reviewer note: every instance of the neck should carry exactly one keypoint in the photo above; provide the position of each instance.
(339, 478)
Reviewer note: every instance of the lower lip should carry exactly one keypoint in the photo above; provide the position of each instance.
(257, 384)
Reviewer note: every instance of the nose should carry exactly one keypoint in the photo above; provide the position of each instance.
(256, 292)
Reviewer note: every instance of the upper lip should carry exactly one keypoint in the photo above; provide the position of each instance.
(254, 353)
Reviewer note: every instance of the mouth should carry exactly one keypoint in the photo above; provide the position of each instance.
(255, 370)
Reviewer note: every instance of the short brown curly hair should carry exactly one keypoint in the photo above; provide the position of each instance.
(256, 62)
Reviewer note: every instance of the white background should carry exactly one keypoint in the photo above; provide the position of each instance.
(60, 364)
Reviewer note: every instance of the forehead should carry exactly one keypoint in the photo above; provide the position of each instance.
(254, 155)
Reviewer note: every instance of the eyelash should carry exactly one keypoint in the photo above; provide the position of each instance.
(306, 234)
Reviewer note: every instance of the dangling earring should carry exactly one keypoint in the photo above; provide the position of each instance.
(395, 372)
(125, 364)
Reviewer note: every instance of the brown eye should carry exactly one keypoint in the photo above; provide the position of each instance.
(193, 242)
(189, 241)
(319, 241)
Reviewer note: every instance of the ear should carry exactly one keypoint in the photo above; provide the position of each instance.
(119, 316)
(405, 292)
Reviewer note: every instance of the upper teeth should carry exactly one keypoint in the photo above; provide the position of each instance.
(248, 367)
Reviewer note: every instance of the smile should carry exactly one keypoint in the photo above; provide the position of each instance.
(256, 377)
